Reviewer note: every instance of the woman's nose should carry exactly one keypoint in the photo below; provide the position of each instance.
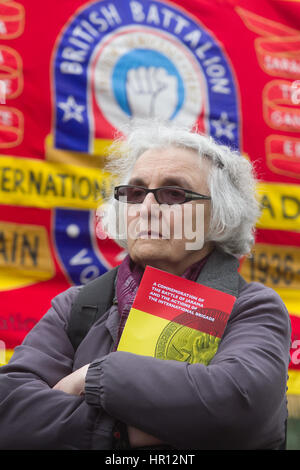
(148, 205)
(149, 200)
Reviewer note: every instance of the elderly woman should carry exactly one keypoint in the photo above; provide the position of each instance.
(53, 396)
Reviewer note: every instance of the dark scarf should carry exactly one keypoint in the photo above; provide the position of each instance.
(128, 281)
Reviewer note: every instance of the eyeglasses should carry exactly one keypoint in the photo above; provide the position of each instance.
(165, 195)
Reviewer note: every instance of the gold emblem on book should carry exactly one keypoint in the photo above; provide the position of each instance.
(185, 343)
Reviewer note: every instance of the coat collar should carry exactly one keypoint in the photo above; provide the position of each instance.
(221, 272)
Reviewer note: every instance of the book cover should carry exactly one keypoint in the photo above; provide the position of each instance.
(175, 318)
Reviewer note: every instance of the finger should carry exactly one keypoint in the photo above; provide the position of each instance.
(161, 77)
(151, 79)
(131, 80)
(200, 342)
(143, 80)
(138, 80)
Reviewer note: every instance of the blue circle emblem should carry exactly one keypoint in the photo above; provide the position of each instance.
(135, 59)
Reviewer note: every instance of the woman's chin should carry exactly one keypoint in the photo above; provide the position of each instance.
(144, 250)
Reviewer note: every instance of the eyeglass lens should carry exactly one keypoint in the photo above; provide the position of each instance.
(163, 196)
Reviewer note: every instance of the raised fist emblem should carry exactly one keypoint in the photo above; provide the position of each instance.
(151, 92)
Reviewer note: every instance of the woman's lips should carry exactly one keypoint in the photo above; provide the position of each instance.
(150, 234)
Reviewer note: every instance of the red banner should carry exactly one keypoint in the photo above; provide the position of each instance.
(72, 73)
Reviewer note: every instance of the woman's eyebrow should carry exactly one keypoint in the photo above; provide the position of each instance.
(167, 181)
(176, 181)
(137, 181)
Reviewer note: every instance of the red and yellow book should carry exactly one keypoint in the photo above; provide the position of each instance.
(175, 318)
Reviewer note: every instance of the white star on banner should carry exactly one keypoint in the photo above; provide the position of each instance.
(224, 126)
(72, 110)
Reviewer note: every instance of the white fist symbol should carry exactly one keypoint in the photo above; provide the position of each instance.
(151, 92)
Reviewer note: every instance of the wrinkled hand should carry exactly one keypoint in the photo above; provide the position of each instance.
(73, 383)
(138, 438)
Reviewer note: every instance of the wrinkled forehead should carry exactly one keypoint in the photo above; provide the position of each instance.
(171, 165)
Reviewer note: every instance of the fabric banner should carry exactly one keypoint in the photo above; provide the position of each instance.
(73, 73)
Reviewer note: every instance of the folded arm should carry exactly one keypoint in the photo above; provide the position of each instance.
(235, 402)
(32, 414)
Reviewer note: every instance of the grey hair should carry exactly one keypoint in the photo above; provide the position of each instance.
(231, 180)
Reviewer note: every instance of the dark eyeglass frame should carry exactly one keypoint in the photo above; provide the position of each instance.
(189, 195)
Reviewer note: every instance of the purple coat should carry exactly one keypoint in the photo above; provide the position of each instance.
(237, 402)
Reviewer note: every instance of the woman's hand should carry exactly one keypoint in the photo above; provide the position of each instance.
(73, 383)
(139, 438)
